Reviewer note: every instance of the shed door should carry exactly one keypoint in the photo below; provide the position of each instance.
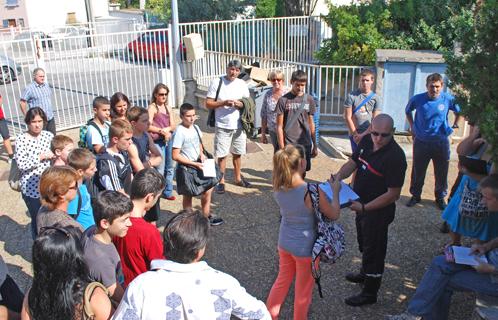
(401, 82)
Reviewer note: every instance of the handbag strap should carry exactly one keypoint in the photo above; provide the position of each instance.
(370, 96)
(87, 307)
(218, 90)
(315, 200)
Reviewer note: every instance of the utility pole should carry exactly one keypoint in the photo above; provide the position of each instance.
(177, 54)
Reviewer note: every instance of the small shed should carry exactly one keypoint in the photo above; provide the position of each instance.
(400, 75)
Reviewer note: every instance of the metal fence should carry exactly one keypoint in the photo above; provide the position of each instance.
(329, 84)
(287, 38)
(82, 67)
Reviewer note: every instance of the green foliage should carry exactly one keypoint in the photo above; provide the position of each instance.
(266, 8)
(358, 30)
(159, 8)
(473, 71)
(209, 10)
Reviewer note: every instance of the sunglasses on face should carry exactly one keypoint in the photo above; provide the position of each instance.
(162, 94)
(383, 135)
(277, 80)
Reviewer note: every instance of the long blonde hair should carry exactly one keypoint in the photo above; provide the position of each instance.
(286, 162)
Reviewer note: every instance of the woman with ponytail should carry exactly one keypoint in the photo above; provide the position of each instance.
(297, 229)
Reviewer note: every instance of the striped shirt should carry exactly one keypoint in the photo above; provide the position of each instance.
(39, 95)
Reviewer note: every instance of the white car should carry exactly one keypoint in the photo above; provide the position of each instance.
(9, 70)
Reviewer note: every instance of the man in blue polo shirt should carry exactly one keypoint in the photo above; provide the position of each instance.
(430, 131)
(39, 94)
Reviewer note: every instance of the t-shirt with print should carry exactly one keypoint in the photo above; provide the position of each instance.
(363, 116)
(85, 218)
(102, 260)
(138, 248)
(228, 117)
(93, 136)
(299, 132)
(187, 140)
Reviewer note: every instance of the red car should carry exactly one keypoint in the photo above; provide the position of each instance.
(151, 46)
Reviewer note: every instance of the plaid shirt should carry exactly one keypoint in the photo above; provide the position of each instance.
(39, 95)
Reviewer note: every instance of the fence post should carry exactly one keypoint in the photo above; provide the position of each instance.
(177, 54)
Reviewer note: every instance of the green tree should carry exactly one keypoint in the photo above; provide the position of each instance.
(266, 8)
(473, 70)
(159, 8)
(208, 10)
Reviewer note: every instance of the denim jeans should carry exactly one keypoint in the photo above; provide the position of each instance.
(423, 153)
(167, 166)
(433, 296)
(33, 205)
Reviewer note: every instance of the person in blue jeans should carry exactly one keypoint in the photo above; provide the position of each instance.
(430, 131)
(432, 298)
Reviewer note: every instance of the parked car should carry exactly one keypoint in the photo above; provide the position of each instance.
(69, 31)
(45, 39)
(151, 46)
(9, 71)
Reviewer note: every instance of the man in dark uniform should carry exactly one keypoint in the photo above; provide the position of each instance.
(381, 165)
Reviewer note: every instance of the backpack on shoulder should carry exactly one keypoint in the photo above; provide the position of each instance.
(84, 130)
(14, 176)
(330, 242)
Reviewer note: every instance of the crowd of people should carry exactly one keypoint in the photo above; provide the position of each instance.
(94, 203)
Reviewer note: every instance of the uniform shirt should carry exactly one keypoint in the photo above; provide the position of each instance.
(187, 291)
(299, 132)
(39, 95)
(363, 116)
(27, 155)
(138, 248)
(378, 170)
(228, 117)
(431, 116)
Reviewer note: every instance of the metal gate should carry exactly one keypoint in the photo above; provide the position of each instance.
(79, 68)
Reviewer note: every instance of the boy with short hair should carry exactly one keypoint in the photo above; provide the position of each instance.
(113, 165)
(97, 135)
(61, 146)
(143, 152)
(295, 111)
(361, 106)
(111, 210)
(142, 243)
(80, 208)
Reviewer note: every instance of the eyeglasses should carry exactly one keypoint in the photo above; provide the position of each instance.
(162, 94)
(383, 135)
(277, 80)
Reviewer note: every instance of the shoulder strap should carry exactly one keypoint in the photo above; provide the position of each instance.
(198, 134)
(87, 308)
(93, 124)
(79, 204)
(218, 90)
(290, 122)
(370, 96)
(315, 199)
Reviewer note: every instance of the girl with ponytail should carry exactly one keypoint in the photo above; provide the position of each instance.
(297, 229)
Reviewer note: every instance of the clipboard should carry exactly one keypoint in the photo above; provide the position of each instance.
(345, 194)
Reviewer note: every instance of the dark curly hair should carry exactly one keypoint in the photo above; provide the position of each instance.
(60, 274)
(116, 97)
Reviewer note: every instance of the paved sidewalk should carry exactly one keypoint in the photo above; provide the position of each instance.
(245, 246)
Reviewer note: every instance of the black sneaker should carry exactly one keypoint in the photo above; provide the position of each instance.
(441, 204)
(445, 228)
(215, 221)
(220, 188)
(413, 201)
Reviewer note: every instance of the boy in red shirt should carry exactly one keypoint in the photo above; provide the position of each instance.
(143, 242)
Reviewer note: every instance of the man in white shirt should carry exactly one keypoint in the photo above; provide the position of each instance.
(223, 97)
(183, 287)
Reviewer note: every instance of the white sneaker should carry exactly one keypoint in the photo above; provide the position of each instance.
(403, 316)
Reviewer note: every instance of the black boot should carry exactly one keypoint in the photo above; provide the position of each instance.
(368, 295)
(355, 277)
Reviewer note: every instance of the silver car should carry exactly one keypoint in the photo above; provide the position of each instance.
(9, 71)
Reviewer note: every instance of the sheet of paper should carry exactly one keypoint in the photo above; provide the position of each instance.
(462, 256)
(345, 194)
(208, 168)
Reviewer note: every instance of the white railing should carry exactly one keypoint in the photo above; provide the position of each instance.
(287, 38)
(329, 84)
(80, 68)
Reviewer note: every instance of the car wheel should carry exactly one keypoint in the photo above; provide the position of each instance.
(7, 75)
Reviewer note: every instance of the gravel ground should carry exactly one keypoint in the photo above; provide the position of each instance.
(245, 246)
